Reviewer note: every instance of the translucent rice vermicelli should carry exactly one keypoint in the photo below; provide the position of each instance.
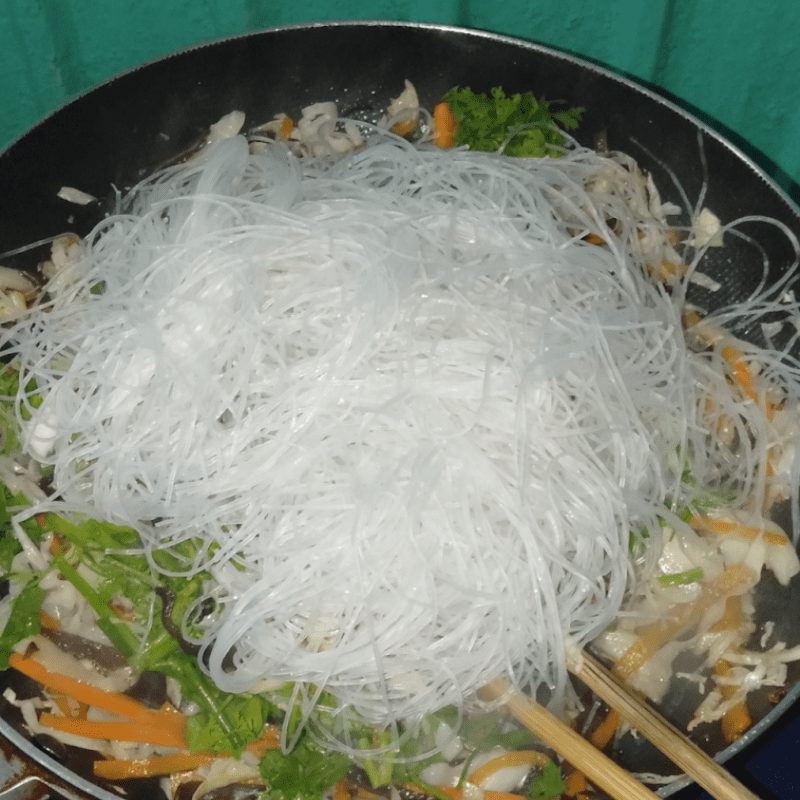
(412, 414)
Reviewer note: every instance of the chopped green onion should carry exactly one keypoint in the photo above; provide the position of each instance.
(694, 575)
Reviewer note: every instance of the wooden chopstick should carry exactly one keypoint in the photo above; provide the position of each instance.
(597, 767)
(714, 778)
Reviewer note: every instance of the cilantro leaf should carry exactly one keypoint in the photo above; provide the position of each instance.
(547, 785)
(303, 774)
(481, 732)
(9, 546)
(521, 125)
(248, 713)
(100, 535)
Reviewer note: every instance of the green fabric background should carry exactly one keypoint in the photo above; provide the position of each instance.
(733, 63)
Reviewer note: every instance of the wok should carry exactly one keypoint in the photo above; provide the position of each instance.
(108, 138)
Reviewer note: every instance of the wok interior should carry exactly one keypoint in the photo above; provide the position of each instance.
(109, 138)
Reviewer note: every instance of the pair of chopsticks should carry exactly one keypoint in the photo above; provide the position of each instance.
(600, 769)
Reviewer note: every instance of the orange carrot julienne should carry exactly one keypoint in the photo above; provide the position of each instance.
(575, 785)
(364, 794)
(724, 526)
(63, 705)
(56, 540)
(458, 794)
(286, 127)
(69, 707)
(602, 734)
(46, 621)
(666, 270)
(513, 758)
(444, 125)
(734, 580)
(743, 377)
(156, 766)
(739, 371)
(404, 127)
(270, 739)
(736, 720)
(731, 617)
(166, 718)
(126, 731)
(593, 238)
(341, 791)
(153, 767)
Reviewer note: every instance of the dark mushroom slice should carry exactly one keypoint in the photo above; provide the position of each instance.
(104, 657)
(150, 689)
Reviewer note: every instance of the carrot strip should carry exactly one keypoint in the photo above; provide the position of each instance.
(458, 794)
(404, 127)
(341, 791)
(725, 526)
(691, 318)
(734, 580)
(57, 541)
(731, 617)
(601, 735)
(743, 377)
(363, 794)
(286, 127)
(270, 739)
(736, 720)
(167, 718)
(155, 766)
(113, 731)
(46, 621)
(575, 785)
(63, 705)
(666, 270)
(740, 372)
(444, 125)
(514, 758)
(576, 781)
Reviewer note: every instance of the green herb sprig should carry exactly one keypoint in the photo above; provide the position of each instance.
(518, 125)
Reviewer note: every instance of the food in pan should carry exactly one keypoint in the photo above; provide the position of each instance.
(336, 426)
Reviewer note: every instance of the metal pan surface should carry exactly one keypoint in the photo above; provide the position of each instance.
(105, 140)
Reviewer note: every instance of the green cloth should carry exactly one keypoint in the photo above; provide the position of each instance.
(734, 63)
